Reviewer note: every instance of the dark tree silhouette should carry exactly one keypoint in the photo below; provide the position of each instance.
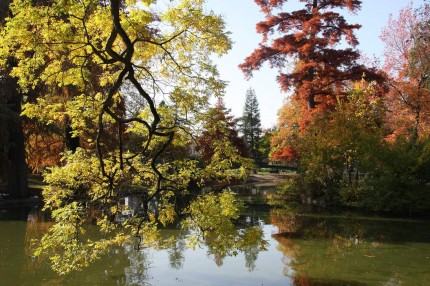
(13, 167)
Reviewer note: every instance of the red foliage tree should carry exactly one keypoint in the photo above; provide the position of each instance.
(303, 48)
(286, 154)
(44, 145)
(219, 125)
(407, 46)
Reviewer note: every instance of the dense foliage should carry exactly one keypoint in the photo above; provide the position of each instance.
(304, 45)
(121, 85)
(348, 161)
(362, 144)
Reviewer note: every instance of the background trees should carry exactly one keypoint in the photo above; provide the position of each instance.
(346, 159)
(406, 61)
(355, 146)
(285, 140)
(304, 45)
(219, 125)
(251, 124)
(222, 154)
(220, 148)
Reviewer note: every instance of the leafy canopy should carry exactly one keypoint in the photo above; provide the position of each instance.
(305, 46)
(89, 61)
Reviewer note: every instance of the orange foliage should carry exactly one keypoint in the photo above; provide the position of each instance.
(43, 146)
(406, 61)
(304, 45)
(286, 153)
(309, 37)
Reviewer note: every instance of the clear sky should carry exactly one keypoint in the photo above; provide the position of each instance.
(241, 17)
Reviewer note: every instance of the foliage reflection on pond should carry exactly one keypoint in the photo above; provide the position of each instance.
(302, 249)
(353, 250)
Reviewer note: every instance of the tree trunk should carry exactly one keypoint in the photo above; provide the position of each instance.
(311, 101)
(311, 72)
(71, 142)
(415, 131)
(17, 185)
(17, 169)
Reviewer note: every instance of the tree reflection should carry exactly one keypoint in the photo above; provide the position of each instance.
(338, 250)
(251, 256)
(211, 222)
(138, 271)
(176, 253)
(38, 223)
(222, 234)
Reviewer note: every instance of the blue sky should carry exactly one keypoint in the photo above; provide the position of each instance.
(241, 17)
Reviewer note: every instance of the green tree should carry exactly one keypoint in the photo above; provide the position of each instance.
(99, 51)
(251, 124)
(219, 146)
(265, 143)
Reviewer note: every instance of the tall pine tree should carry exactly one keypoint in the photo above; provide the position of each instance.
(251, 124)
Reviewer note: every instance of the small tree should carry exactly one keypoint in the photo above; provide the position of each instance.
(251, 124)
(219, 126)
(284, 141)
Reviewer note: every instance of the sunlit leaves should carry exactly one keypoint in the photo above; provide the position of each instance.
(80, 62)
(211, 222)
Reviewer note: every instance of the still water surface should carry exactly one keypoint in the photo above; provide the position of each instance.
(303, 250)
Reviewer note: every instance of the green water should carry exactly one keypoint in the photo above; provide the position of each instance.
(303, 250)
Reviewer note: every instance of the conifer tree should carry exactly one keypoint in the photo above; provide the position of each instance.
(251, 124)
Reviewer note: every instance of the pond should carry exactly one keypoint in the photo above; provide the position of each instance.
(302, 249)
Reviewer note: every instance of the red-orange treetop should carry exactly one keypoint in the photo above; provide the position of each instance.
(302, 45)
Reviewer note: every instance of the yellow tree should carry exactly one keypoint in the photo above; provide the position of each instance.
(105, 54)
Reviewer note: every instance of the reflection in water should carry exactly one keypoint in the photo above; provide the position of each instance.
(176, 254)
(251, 256)
(336, 251)
(137, 272)
(256, 195)
(38, 223)
(123, 265)
(304, 250)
